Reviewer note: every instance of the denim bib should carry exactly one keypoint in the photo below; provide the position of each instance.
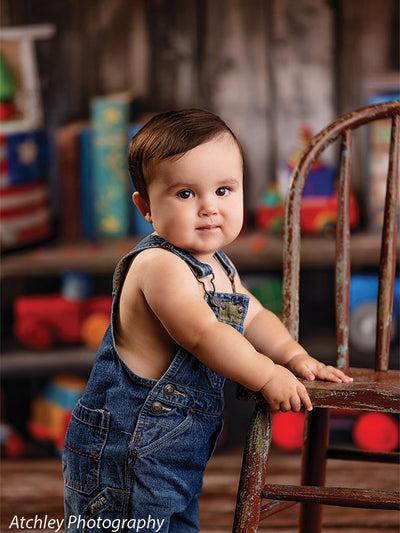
(136, 448)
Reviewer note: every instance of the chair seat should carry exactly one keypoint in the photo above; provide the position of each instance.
(370, 391)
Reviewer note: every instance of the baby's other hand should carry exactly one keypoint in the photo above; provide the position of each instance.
(284, 392)
(307, 367)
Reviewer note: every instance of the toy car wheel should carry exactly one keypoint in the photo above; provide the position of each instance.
(363, 327)
(288, 430)
(376, 432)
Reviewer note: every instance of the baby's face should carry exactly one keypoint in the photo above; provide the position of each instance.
(196, 201)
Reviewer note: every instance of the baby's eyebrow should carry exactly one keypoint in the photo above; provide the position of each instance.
(230, 181)
(180, 185)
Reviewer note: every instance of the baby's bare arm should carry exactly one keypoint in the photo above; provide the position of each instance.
(172, 293)
(269, 336)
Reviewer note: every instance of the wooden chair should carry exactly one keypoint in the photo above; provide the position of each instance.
(375, 389)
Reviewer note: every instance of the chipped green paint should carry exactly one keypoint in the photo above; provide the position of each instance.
(253, 474)
(388, 251)
(341, 355)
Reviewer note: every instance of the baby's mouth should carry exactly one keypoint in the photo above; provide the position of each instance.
(208, 227)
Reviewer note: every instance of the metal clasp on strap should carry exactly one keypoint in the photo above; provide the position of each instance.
(211, 294)
(232, 280)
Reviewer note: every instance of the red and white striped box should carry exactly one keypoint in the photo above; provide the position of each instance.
(25, 216)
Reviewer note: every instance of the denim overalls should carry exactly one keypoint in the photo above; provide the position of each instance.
(136, 448)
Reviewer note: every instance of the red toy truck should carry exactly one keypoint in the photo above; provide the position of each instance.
(40, 321)
(319, 205)
(318, 215)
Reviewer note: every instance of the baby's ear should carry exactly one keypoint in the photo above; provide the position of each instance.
(142, 205)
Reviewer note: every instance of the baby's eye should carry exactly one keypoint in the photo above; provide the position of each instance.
(222, 191)
(185, 194)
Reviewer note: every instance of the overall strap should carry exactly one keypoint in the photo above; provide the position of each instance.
(227, 266)
(199, 269)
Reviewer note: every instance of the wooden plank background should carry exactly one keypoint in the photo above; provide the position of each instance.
(266, 66)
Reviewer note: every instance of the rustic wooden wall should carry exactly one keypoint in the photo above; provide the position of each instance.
(265, 66)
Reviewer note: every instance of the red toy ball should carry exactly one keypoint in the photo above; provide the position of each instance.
(376, 432)
(287, 430)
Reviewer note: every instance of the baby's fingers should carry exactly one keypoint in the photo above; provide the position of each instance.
(295, 403)
(304, 397)
(286, 406)
(330, 373)
(344, 377)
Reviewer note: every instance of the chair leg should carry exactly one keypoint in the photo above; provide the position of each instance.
(314, 466)
(254, 467)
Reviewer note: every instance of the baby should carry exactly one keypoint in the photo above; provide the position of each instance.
(182, 322)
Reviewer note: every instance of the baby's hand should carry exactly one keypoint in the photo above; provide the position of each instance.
(307, 367)
(284, 392)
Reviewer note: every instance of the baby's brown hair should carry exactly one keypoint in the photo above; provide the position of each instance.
(169, 134)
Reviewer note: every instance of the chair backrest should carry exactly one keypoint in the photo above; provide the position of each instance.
(342, 128)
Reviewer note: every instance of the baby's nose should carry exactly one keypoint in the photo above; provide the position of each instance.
(208, 209)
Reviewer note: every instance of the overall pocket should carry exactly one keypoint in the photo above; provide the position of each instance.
(83, 446)
(158, 433)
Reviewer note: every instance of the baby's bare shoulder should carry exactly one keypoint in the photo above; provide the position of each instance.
(155, 264)
(156, 259)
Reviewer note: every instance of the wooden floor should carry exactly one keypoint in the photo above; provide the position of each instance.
(34, 487)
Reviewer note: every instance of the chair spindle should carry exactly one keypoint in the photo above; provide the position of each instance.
(388, 253)
(342, 261)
